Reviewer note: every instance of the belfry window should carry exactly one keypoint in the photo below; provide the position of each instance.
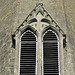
(40, 45)
(50, 53)
(28, 54)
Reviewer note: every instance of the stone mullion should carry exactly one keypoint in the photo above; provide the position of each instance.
(39, 56)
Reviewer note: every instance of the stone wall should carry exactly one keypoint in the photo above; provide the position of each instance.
(14, 12)
(7, 15)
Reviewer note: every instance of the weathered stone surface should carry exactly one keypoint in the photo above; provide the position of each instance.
(14, 12)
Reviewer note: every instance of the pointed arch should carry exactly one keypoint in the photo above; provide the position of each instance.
(60, 37)
(28, 53)
(51, 28)
(50, 53)
(39, 32)
(29, 28)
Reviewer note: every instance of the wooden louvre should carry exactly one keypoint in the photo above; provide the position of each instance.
(28, 54)
(50, 53)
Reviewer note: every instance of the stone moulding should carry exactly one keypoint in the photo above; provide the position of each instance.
(39, 21)
(39, 14)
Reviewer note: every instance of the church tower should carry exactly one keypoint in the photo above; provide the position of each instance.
(37, 37)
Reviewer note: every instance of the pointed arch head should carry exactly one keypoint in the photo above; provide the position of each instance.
(51, 28)
(29, 28)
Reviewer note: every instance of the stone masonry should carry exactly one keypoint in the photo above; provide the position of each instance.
(14, 12)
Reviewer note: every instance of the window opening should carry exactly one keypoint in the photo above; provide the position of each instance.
(28, 54)
(50, 53)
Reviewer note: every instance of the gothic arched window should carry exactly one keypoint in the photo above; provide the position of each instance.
(50, 53)
(39, 45)
(28, 54)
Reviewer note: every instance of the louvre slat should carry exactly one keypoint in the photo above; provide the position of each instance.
(28, 54)
(50, 48)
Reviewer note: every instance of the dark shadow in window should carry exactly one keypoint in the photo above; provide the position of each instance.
(13, 41)
(32, 20)
(45, 20)
(64, 41)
